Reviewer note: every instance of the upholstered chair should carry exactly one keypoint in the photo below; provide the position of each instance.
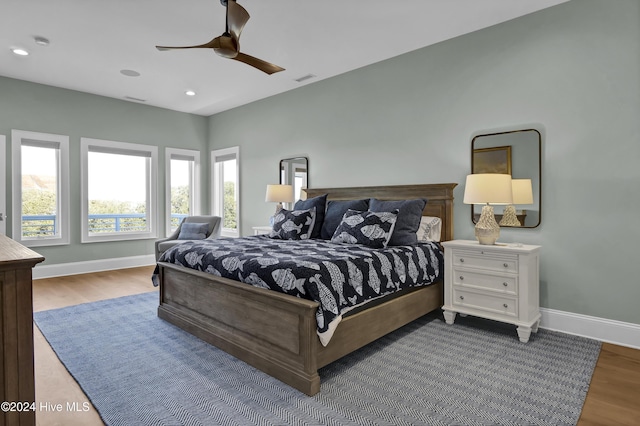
(213, 231)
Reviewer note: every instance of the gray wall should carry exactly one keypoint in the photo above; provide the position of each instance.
(571, 71)
(39, 108)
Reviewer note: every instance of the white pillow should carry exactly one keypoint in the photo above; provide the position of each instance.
(429, 229)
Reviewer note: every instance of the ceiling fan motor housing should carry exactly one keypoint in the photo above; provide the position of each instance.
(228, 47)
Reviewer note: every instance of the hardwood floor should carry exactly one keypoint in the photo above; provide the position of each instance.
(613, 397)
(614, 394)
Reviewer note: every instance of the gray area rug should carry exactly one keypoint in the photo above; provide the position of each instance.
(140, 370)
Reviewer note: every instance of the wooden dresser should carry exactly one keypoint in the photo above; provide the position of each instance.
(16, 333)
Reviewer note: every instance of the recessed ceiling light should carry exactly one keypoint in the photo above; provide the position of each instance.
(190, 93)
(19, 52)
(41, 41)
(130, 73)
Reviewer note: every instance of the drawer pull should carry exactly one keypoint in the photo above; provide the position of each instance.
(505, 284)
(461, 297)
(506, 265)
(461, 260)
(505, 305)
(461, 278)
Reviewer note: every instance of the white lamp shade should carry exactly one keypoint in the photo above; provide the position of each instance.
(488, 188)
(522, 191)
(279, 194)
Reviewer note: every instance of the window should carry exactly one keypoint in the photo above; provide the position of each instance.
(183, 185)
(40, 188)
(118, 190)
(226, 189)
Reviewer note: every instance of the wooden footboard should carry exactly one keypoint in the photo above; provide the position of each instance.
(236, 318)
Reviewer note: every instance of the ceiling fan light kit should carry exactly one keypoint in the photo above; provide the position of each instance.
(227, 45)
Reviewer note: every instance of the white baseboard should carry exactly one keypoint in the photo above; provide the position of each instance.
(605, 330)
(74, 268)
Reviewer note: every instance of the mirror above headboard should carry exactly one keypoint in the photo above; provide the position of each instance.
(518, 153)
(295, 171)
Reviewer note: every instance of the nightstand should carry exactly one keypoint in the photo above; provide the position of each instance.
(498, 282)
(258, 230)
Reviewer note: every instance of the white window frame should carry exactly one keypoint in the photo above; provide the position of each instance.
(194, 196)
(63, 213)
(217, 187)
(152, 188)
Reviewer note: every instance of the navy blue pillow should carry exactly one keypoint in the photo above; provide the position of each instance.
(372, 229)
(319, 203)
(408, 222)
(335, 211)
(293, 225)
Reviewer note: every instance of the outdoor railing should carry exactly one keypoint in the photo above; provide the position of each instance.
(39, 225)
(47, 225)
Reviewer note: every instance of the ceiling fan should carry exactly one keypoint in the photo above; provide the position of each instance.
(228, 44)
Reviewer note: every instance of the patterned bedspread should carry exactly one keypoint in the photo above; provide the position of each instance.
(337, 276)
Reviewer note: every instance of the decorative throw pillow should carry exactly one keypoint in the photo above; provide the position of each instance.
(408, 218)
(368, 228)
(319, 203)
(193, 231)
(429, 229)
(335, 212)
(293, 224)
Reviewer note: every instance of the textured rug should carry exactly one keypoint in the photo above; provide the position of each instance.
(140, 370)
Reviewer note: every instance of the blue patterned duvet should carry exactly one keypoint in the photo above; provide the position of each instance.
(337, 276)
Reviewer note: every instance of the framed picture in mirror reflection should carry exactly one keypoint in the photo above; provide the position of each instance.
(492, 160)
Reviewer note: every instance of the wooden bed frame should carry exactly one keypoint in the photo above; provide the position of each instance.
(230, 315)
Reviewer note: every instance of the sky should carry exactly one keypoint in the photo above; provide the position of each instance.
(111, 176)
(117, 177)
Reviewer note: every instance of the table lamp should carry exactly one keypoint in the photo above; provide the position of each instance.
(488, 189)
(522, 194)
(279, 194)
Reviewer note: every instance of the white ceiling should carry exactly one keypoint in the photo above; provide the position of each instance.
(91, 41)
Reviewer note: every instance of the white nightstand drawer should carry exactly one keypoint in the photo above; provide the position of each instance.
(484, 260)
(500, 283)
(490, 303)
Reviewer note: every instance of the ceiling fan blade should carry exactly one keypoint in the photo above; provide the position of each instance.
(213, 44)
(227, 45)
(237, 17)
(258, 63)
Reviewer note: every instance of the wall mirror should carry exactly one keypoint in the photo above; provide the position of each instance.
(295, 171)
(517, 153)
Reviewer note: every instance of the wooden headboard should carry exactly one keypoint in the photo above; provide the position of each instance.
(439, 198)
